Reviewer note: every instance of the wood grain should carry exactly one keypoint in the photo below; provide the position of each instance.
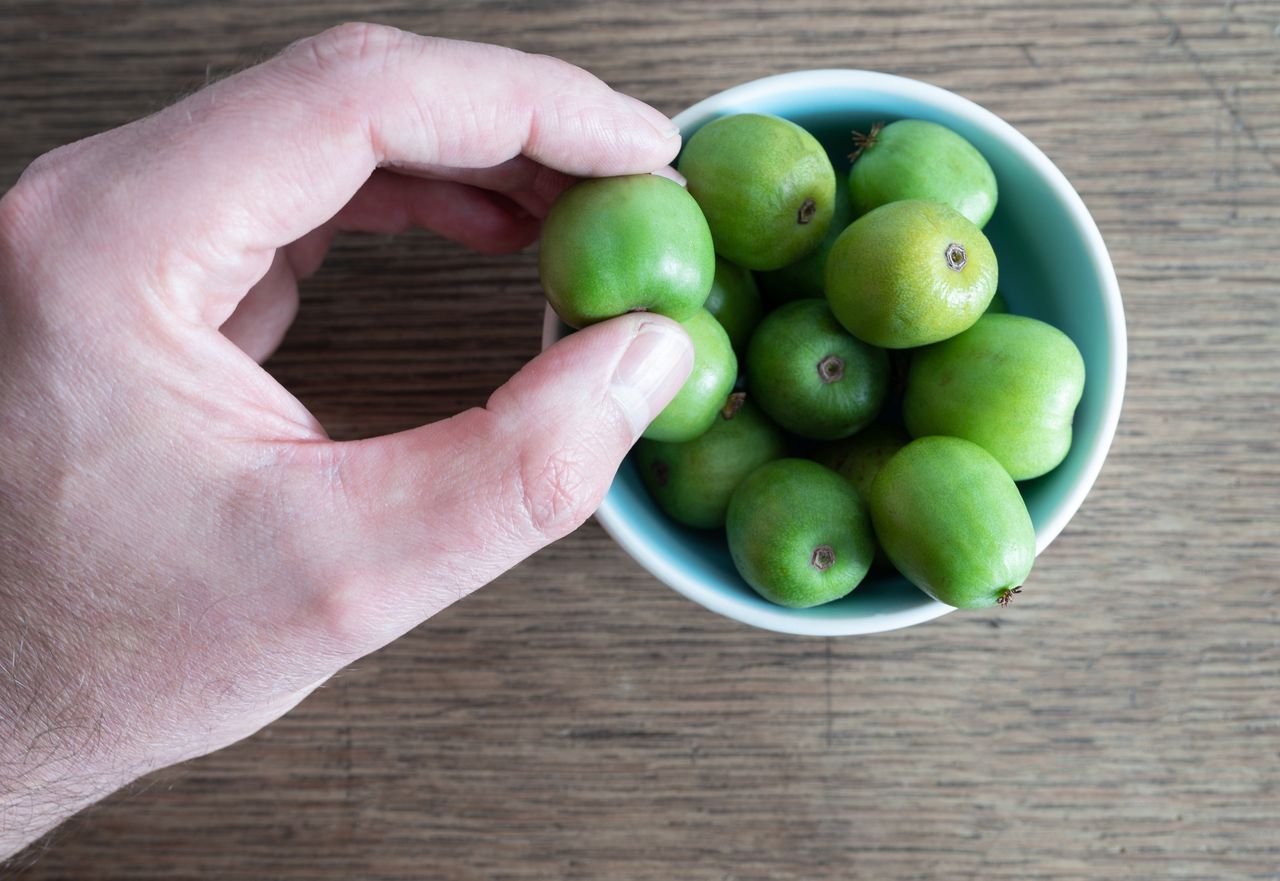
(578, 720)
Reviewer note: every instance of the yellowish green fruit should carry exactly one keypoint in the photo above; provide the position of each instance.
(766, 186)
(909, 274)
(917, 159)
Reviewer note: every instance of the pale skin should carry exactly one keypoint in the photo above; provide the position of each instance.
(184, 553)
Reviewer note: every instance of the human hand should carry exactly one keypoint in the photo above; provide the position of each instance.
(184, 554)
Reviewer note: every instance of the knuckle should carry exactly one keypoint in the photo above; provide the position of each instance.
(48, 166)
(551, 66)
(557, 492)
(341, 616)
(32, 196)
(354, 44)
(338, 609)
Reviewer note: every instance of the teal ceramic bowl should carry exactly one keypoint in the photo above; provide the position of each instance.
(1053, 266)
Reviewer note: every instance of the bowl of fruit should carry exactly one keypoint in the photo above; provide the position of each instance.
(910, 351)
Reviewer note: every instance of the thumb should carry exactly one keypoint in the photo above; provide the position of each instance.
(433, 513)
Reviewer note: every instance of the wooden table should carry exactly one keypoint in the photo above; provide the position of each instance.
(577, 719)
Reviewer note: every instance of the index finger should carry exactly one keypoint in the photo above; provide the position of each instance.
(209, 187)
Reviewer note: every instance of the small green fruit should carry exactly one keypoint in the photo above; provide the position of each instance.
(951, 520)
(715, 369)
(806, 278)
(811, 376)
(765, 185)
(625, 244)
(859, 458)
(735, 302)
(798, 533)
(1010, 384)
(915, 159)
(909, 274)
(692, 481)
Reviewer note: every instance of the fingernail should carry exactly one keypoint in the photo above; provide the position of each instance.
(658, 120)
(665, 128)
(650, 372)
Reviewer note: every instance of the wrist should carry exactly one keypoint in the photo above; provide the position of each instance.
(50, 769)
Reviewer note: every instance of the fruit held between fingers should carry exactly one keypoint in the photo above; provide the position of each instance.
(625, 244)
(715, 368)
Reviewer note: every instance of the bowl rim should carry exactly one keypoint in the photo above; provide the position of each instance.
(784, 620)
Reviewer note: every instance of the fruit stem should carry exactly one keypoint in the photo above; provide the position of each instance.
(732, 405)
(824, 557)
(956, 257)
(1006, 595)
(807, 209)
(863, 142)
(830, 369)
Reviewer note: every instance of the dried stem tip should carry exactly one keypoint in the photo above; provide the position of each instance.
(808, 208)
(1006, 595)
(732, 405)
(956, 257)
(831, 369)
(863, 142)
(824, 557)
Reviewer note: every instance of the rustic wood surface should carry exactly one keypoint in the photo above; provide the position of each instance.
(576, 719)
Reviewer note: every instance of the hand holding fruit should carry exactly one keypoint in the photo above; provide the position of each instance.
(184, 553)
